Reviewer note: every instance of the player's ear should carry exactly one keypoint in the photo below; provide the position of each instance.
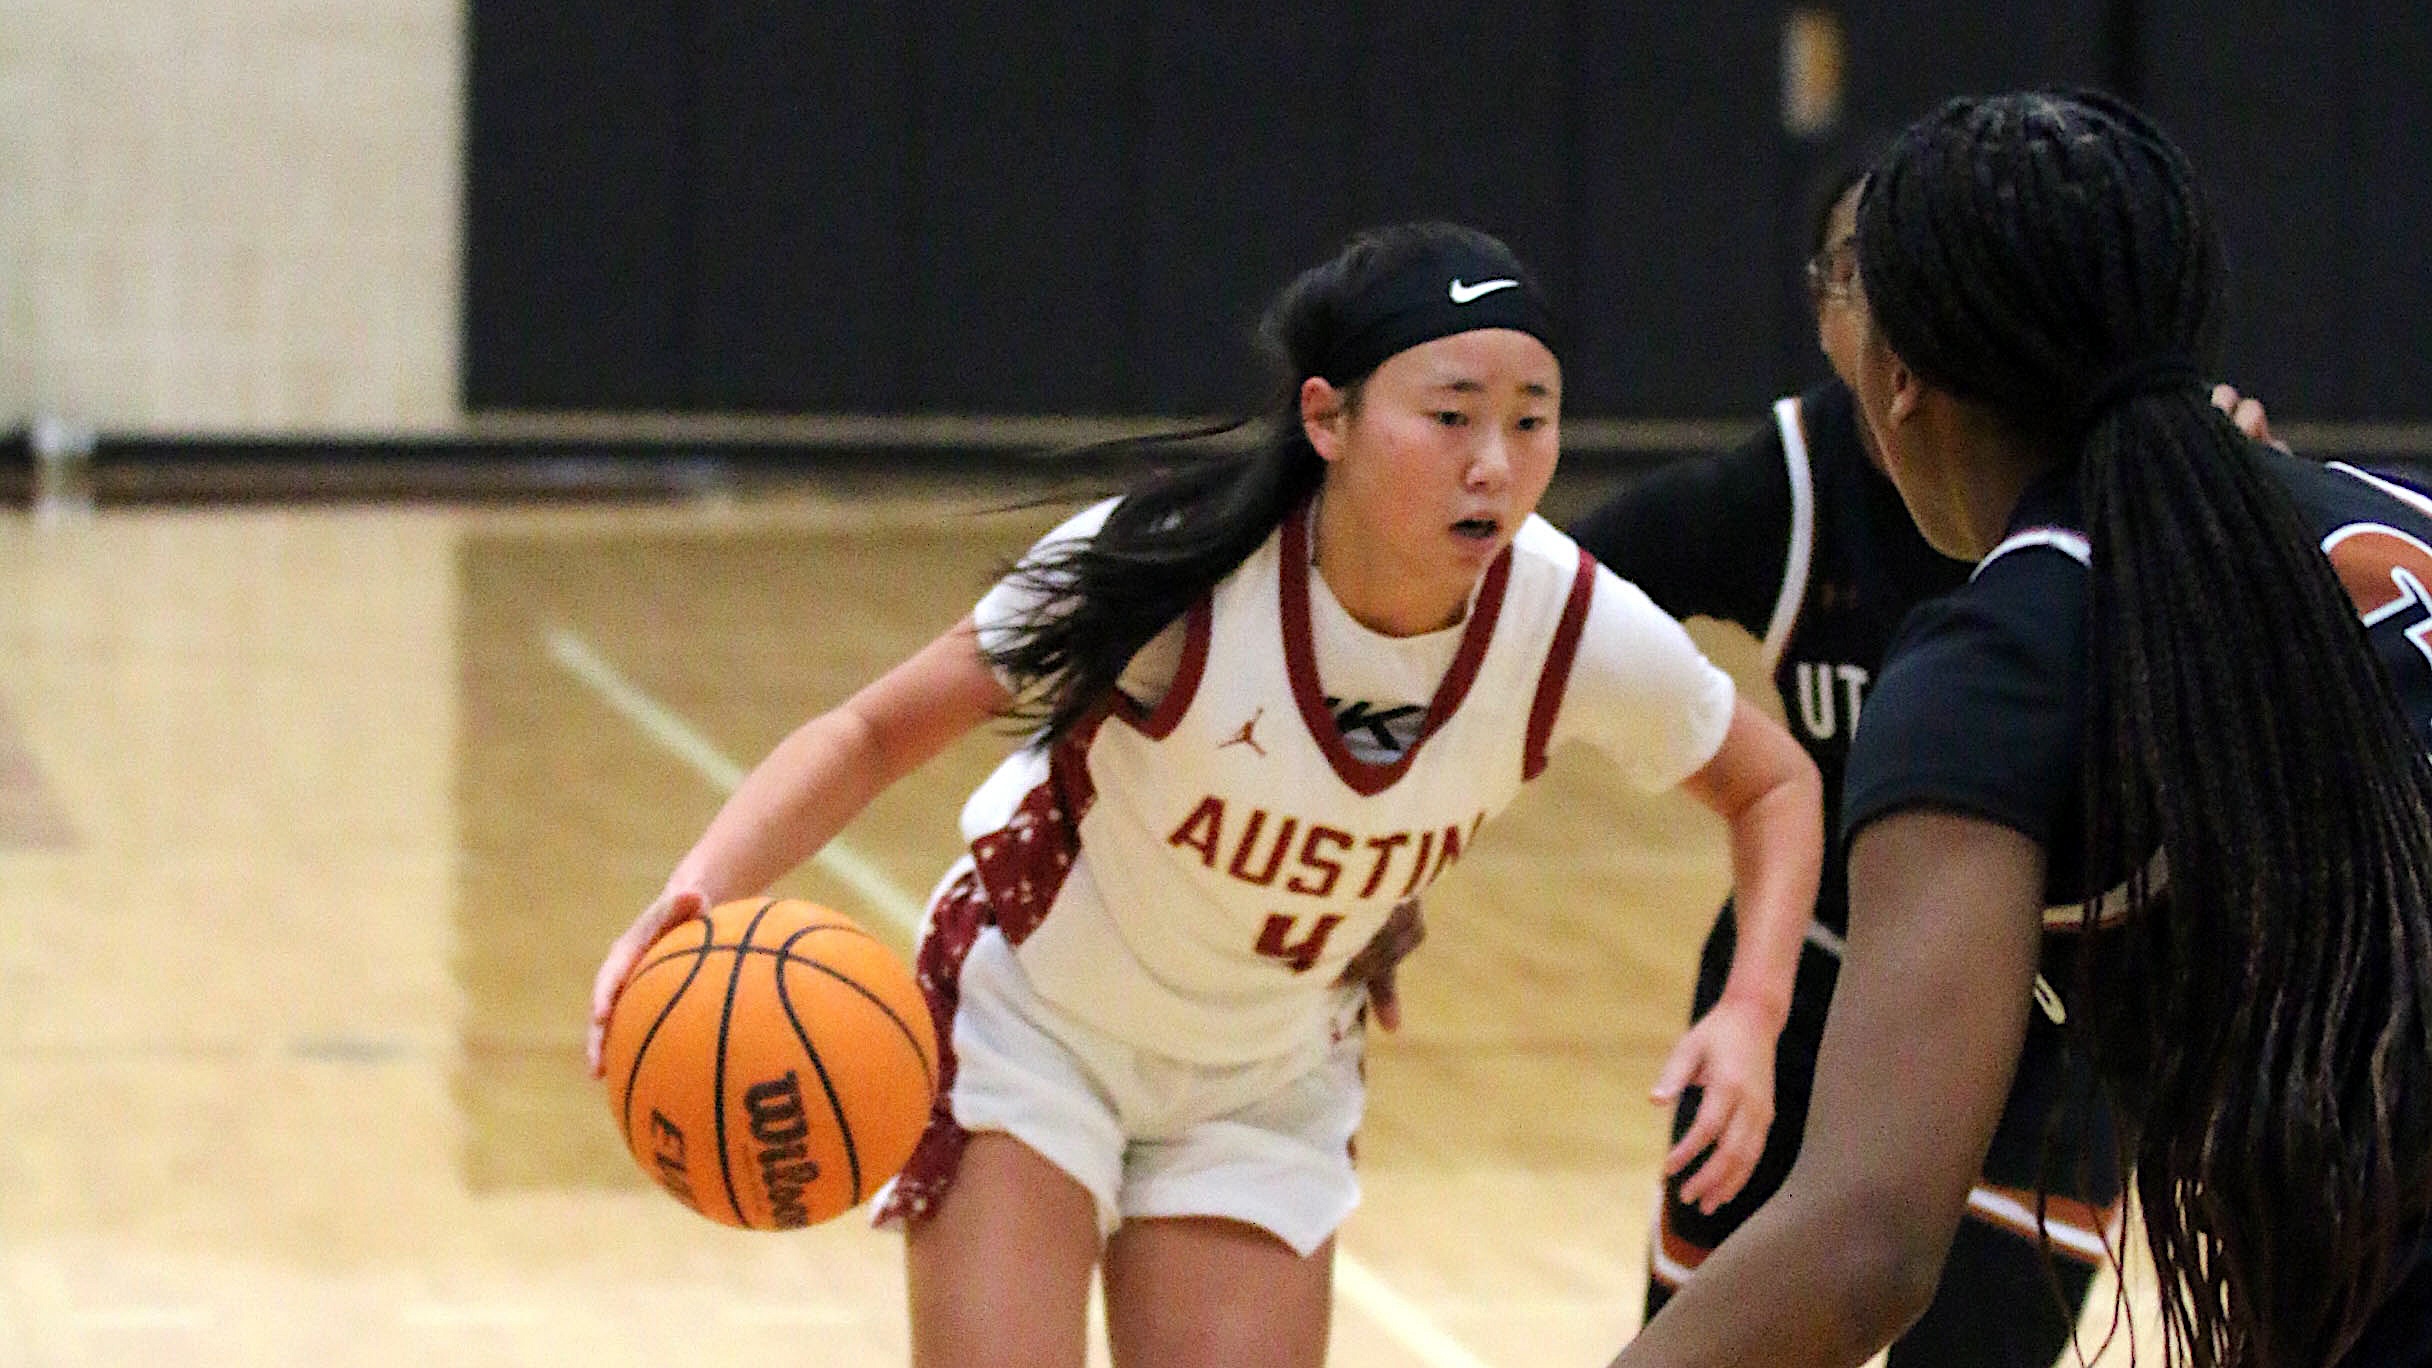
(1323, 410)
(1905, 387)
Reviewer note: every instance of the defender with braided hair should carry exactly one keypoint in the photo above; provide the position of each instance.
(1798, 537)
(2166, 747)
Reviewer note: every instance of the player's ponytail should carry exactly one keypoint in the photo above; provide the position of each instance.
(1212, 499)
(2264, 1011)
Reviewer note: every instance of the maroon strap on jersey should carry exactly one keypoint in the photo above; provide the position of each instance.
(1557, 674)
(1160, 722)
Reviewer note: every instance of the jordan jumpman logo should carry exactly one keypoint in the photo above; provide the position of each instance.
(1247, 737)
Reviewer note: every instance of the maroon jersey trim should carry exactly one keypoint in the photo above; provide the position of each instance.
(1557, 676)
(1158, 724)
(954, 926)
(1300, 662)
(1022, 865)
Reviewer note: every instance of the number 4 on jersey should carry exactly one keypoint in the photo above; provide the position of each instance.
(1275, 940)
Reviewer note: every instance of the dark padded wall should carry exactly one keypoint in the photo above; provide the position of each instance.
(2391, 275)
(578, 173)
(1679, 170)
(2313, 133)
(1046, 206)
(1023, 244)
(1906, 56)
(801, 216)
(1249, 146)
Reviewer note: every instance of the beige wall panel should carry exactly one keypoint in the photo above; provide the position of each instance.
(229, 216)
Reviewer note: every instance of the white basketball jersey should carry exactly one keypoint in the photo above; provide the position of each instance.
(1191, 876)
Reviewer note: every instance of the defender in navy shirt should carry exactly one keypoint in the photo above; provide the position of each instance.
(1798, 537)
(2159, 769)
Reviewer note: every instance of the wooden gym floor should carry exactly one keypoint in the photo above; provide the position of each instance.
(314, 821)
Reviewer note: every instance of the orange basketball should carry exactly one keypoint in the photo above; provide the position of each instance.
(770, 1063)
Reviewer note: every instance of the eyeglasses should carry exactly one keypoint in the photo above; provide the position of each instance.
(1833, 272)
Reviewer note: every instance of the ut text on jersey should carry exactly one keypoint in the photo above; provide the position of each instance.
(1829, 696)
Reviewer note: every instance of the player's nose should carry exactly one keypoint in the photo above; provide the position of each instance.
(1490, 464)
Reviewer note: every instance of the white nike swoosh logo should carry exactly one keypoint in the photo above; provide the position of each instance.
(1463, 294)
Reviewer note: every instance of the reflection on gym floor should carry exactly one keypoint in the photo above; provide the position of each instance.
(314, 822)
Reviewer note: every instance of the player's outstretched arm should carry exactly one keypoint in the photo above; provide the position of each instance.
(1768, 792)
(1924, 1033)
(814, 782)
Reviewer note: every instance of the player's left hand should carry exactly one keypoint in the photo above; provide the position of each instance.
(1373, 967)
(2247, 414)
(1728, 1056)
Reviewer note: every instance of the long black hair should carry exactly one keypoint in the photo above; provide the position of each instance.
(1190, 522)
(2264, 1012)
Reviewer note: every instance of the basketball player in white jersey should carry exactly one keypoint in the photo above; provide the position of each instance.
(1280, 690)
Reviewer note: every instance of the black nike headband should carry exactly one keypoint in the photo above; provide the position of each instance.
(1443, 291)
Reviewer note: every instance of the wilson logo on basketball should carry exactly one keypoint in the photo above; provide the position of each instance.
(786, 1167)
(667, 1155)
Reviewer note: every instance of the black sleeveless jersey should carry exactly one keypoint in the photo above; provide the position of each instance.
(1797, 537)
(1982, 707)
(1981, 710)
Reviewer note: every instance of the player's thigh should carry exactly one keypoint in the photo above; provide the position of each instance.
(999, 1272)
(1191, 1291)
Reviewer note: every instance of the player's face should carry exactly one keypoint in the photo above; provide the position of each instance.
(1447, 452)
(1832, 277)
(1889, 400)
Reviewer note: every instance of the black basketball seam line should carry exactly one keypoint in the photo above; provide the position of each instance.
(786, 952)
(634, 1072)
(717, 1087)
(754, 949)
(926, 1072)
(844, 1126)
(660, 963)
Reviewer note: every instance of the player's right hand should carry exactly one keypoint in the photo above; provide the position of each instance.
(1728, 1055)
(1373, 968)
(625, 953)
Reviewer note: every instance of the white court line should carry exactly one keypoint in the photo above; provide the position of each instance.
(677, 736)
(1398, 1316)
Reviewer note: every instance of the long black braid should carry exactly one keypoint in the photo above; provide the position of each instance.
(1191, 522)
(2264, 1014)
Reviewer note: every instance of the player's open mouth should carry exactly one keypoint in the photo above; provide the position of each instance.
(1479, 529)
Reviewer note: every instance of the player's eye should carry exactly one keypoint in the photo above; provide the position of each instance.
(1451, 418)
